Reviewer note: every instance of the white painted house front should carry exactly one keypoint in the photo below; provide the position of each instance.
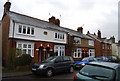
(36, 37)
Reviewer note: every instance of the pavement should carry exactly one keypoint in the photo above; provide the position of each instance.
(14, 74)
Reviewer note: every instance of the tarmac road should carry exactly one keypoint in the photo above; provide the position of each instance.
(31, 77)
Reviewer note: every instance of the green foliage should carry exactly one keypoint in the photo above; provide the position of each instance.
(24, 59)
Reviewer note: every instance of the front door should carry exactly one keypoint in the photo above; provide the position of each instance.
(41, 54)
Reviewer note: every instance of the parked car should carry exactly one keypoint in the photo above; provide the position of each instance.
(113, 59)
(99, 71)
(54, 65)
(84, 61)
(102, 58)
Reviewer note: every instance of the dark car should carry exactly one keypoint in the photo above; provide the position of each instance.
(102, 58)
(54, 65)
(99, 71)
(113, 59)
(84, 61)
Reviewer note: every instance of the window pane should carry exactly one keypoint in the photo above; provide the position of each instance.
(28, 30)
(75, 54)
(20, 46)
(24, 45)
(32, 31)
(58, 36)
(20, 29)
(55, 35)
(78, 54)
(29, 51)
(24, 51)
(29, 46)
(63, 36)
(24, 29)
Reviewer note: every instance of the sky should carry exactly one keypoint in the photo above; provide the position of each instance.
(93, 15)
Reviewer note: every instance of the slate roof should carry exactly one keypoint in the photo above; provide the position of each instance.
(105, 40)
(43, 24)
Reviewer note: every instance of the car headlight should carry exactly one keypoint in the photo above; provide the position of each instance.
(41, 66)
(83, 64)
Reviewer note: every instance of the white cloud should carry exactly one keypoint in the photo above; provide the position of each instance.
(94, 14)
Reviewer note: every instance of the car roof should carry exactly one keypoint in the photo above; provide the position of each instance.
(89, 57)
(106, 64)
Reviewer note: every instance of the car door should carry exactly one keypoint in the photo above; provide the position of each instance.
(58, 65)
(66, 62)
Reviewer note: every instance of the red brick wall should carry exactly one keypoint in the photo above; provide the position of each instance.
(5, 35)
(98, 47)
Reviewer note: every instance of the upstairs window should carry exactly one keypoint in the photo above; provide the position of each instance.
(32, 31)
(59, 36)
(28, 30)
(77, 40)
(25, 30)
(20, 29)
(91, 42)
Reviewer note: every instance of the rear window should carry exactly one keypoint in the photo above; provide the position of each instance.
(96, 71)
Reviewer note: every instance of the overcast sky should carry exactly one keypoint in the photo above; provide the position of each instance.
(94, 14)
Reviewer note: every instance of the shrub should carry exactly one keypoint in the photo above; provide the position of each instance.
(24, 59)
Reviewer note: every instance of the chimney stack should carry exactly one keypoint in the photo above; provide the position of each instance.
(99, 34)
(54, 21)
(112, 39)
(7, 6)
(80, 29)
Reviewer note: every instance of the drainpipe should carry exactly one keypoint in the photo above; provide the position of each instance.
(13, 33)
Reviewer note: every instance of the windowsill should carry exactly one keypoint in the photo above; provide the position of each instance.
(26, 35)
(60, 39)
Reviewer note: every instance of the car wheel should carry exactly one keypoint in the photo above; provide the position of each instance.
(71, 70)
(49, 72)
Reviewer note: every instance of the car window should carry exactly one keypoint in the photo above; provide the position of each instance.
(59, 59)
(91, 59)
(50, 59)
(85, 59)
(91, 70)
(66, 58)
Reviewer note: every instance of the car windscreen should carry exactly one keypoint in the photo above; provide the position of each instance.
(85, 59)
(50, 59)
(97, 72)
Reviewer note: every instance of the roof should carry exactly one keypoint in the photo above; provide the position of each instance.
(106, 64)
(43, 24)
(94, 36)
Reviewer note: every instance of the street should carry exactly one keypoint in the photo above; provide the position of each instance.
(31, 77)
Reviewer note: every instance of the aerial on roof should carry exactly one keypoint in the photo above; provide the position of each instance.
(43, 24)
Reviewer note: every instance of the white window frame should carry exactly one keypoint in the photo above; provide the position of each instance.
(77, 39)
(60, 49)
(91, 42)
(59, 36)
(27, 48)
(78, 51)
(26, 27)
(91, 52)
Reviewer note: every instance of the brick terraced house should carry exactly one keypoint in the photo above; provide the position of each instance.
(42, 39)
(103, 46)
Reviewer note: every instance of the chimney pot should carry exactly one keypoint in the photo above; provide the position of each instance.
(7, 6)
